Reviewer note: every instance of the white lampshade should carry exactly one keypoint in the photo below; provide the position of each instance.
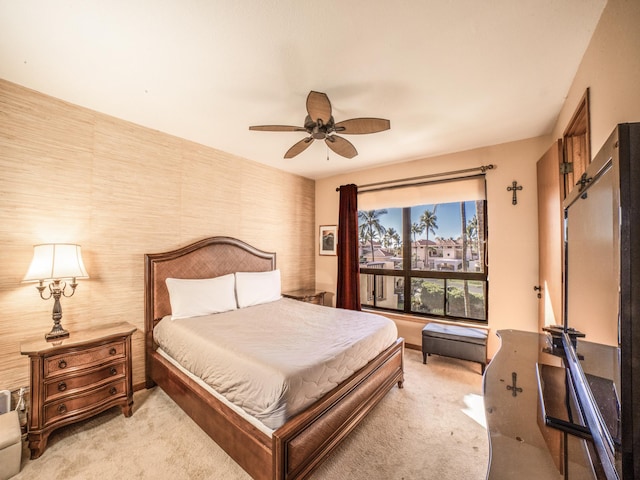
(55, 261)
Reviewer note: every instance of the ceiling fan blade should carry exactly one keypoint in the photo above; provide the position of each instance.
(362, 125)
(319, 107)
(341, 146)
(277, 128)
(299, 147)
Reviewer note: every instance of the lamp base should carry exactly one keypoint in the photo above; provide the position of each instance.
(56, 333)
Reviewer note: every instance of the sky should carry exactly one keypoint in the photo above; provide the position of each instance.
(448, 218)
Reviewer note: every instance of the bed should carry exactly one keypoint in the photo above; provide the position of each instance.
(294, 449)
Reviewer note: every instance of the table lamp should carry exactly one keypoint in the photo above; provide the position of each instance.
(55, 263)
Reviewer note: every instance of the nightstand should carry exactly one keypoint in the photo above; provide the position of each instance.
(76, 378)
(306, 295)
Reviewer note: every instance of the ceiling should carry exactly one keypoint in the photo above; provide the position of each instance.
(450, 75)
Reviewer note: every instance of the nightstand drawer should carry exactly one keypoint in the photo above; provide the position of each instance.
(68, 407)
(316, 299)
(68, 384)
(61, 364)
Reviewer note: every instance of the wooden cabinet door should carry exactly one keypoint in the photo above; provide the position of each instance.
(577, 145)
(550, 251)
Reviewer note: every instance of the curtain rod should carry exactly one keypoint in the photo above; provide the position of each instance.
(482, 169)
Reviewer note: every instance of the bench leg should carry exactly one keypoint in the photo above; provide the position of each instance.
(424, 357)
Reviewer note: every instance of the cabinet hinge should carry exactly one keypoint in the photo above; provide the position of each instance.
(566, 167)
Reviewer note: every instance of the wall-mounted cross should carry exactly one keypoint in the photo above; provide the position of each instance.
(514, 188)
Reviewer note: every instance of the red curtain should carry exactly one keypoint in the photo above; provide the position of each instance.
(348, 291)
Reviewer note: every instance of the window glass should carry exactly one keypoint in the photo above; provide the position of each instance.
(426, 258)
(383, 291)
(445, 237)
(466, 298)
(380, 234)
(427, 295)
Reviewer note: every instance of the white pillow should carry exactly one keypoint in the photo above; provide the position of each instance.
(254, 288)
(195, 297)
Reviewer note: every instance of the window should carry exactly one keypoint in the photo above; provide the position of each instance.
(425, 253)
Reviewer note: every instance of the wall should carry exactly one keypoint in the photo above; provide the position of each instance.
(610, 68)
(120, 190)
(512, 229)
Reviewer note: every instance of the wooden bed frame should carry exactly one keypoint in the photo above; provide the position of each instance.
(299, 446)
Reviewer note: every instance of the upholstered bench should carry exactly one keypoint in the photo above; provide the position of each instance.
(464, 343)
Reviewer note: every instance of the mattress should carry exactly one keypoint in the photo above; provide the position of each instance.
(275, 359)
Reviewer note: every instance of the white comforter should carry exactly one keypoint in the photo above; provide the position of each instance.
(275, 359)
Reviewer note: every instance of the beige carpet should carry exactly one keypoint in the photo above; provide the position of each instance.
(423, 431)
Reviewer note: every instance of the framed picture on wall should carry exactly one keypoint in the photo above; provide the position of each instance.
(328, 239)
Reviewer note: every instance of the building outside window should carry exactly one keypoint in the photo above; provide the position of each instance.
(423, 249)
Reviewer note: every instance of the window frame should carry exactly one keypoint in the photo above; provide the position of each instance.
(407, 274)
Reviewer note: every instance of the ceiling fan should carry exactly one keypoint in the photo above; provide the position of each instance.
(319, 124)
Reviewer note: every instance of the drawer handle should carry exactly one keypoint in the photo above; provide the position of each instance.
(62, 387)
(112, 351)
(62, 408)
(114, 371)
(62, 364)
(113, 390)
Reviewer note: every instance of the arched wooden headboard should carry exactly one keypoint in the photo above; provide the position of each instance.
(208, 258)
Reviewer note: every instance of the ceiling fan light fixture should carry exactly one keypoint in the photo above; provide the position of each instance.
(318, 134)
(324, 128)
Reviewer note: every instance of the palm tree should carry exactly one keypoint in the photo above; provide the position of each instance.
(397, 240)
(428, 219)
(416, 229)
(481, 243)
(369, 226)
(472, 233)
(391, 239)
(386, 241)
(481, 232)
(463, 221)
(364, 239)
